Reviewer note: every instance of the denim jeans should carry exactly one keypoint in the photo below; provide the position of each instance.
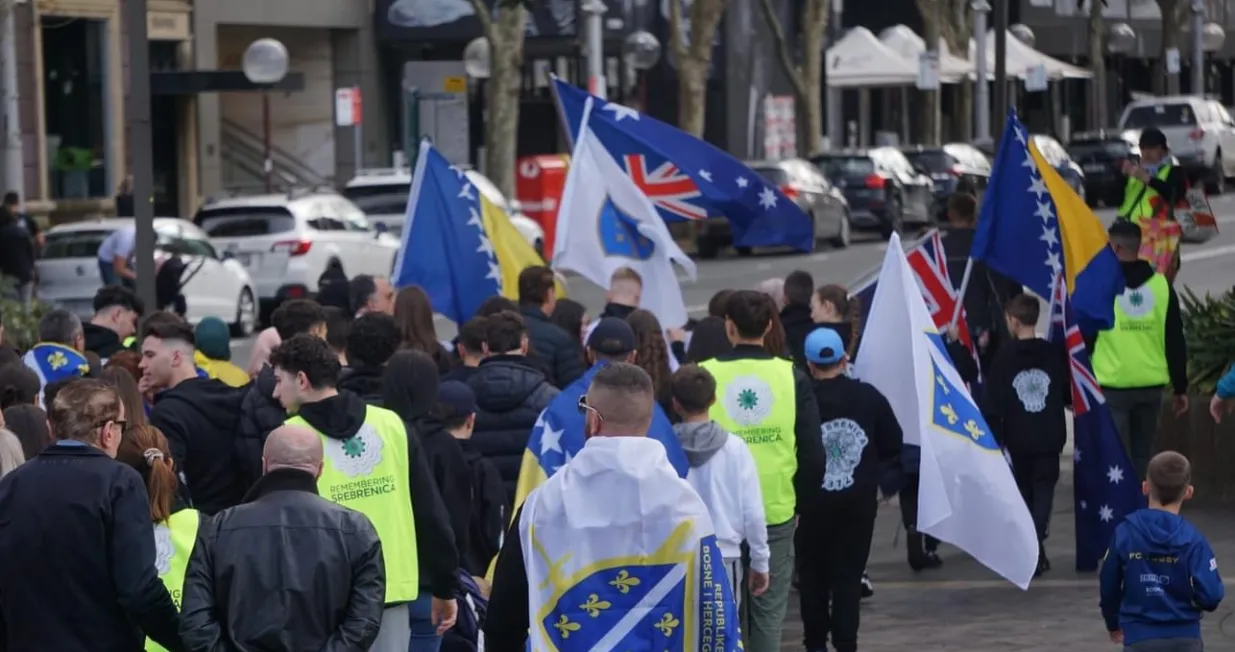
(107, 272)
(424, 632)
(1167, 645)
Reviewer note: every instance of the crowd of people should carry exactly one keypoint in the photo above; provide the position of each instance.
(353, 486)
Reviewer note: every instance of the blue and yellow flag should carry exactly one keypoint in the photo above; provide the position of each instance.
(621, 555)
(53, 362)
(1034, 226)
(458, 246)
(558, 436)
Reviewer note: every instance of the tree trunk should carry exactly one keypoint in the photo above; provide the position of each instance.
(502, 93)
(1097, 64)
(693, 60)
(807, 77)
(956, 29)
(962, 112)
(1164, 82)
(932, 23)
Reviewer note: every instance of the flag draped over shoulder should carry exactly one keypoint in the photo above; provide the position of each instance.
(967, 494)
(557, 437)
(458, 246)
(621, 555)
(685, 178)
(1105, 486)
(605, 222)
(1033, 226)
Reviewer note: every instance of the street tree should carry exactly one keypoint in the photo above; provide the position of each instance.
(1172, 23)
(690, 42)
(952, 22)
(503, 27)
(1097, 62)
(805, 74)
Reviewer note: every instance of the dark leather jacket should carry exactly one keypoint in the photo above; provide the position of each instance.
(285, 571)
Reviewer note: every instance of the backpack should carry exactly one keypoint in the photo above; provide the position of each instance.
(466, 635)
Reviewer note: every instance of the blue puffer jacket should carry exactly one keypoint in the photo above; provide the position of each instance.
(1226, 386)
(510, 395)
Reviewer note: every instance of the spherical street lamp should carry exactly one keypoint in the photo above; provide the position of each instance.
(641, 50)
(1023, 34)
(265, 63)
(1120, 38)
(1212, 37)
(477, 58)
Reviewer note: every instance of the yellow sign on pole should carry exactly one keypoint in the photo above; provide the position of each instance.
(455, 85)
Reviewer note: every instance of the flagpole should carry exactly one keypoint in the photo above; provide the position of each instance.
(960, 295)
(561, 115)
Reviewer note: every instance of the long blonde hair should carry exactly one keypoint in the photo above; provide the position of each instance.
(11, 455)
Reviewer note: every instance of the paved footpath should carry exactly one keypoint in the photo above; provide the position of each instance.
(963, 607)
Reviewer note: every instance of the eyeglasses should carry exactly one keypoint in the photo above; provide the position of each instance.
(122, 423)
(584, 408)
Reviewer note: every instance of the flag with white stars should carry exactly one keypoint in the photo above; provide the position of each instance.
(447, 249)
(558, 436)
(1105, 486)
(1033, 227)
(687, 178)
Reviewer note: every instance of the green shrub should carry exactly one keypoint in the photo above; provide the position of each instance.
(1209, 328)
(21, 325)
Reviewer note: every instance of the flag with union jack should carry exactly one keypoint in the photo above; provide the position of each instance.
(686, 178)
(1105, 486)
(929, 262)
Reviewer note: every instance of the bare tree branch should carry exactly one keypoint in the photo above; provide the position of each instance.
(782, 48)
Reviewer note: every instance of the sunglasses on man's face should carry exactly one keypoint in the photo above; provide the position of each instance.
(584, 408)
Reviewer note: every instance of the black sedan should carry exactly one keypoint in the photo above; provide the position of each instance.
(884, 190)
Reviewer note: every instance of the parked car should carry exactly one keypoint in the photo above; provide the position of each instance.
(882, 187)
(1057, 157)
(1101, 155)
(213, 285)
(382, 194)
(286, 241)
(801, 182)
(952, 166)
(1200, 133)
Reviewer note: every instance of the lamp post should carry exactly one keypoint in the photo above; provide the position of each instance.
(1024, 34)
(137, 110)
(265, 64)
(594, 31)
(641, 51)
(1120, 40)
(981, 87)
(1212, 39)
(1001, 61)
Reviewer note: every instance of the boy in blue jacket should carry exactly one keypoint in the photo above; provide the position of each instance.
(1159, 572)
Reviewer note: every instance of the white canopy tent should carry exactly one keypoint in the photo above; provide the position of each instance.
(905, 42)
(859, 60)
(1022, 58)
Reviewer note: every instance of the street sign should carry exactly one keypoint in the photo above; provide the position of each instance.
(1172, 61)
(1035, 79)
(347, 112)
(928, 71)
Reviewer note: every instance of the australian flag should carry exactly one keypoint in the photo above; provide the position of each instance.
(686, 178)
(1105, 486)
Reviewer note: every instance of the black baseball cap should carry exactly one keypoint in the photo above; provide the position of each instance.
(612, 336)
(1153, 137)
(456, 399)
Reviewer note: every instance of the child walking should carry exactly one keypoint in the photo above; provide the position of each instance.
(722, 471)
(1159, 572)
(1027, 389)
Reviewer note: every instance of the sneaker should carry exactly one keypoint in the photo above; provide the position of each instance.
(868, 587)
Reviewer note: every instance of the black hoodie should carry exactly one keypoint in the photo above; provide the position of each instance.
(340, 417)
(260, 413)
(1027, 388)
(364, 381)
(795, 318)
(861, 437)
(101, 341)
(199, 418)
(1136, 274)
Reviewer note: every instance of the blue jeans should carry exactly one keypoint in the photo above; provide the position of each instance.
(107, 272)
(424, 632)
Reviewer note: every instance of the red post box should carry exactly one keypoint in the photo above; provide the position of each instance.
(538, 187)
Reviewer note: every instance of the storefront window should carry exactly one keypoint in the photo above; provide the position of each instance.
(76, 107)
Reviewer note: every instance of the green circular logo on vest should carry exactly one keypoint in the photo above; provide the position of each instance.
(748, 400)
(1137, 302)
(357, 455)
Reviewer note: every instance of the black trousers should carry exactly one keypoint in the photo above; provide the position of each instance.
(909, 514)
(1036, 477)
(834, 540)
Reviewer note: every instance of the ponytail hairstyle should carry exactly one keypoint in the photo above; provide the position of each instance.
(848, 307)
(144, 448)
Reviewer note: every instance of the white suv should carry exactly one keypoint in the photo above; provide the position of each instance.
(1199, 131)
(286, 241)
(382, 194)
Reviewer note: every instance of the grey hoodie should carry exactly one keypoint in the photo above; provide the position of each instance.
(700, 441)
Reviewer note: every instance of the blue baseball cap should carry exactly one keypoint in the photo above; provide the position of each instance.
(824, 346)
